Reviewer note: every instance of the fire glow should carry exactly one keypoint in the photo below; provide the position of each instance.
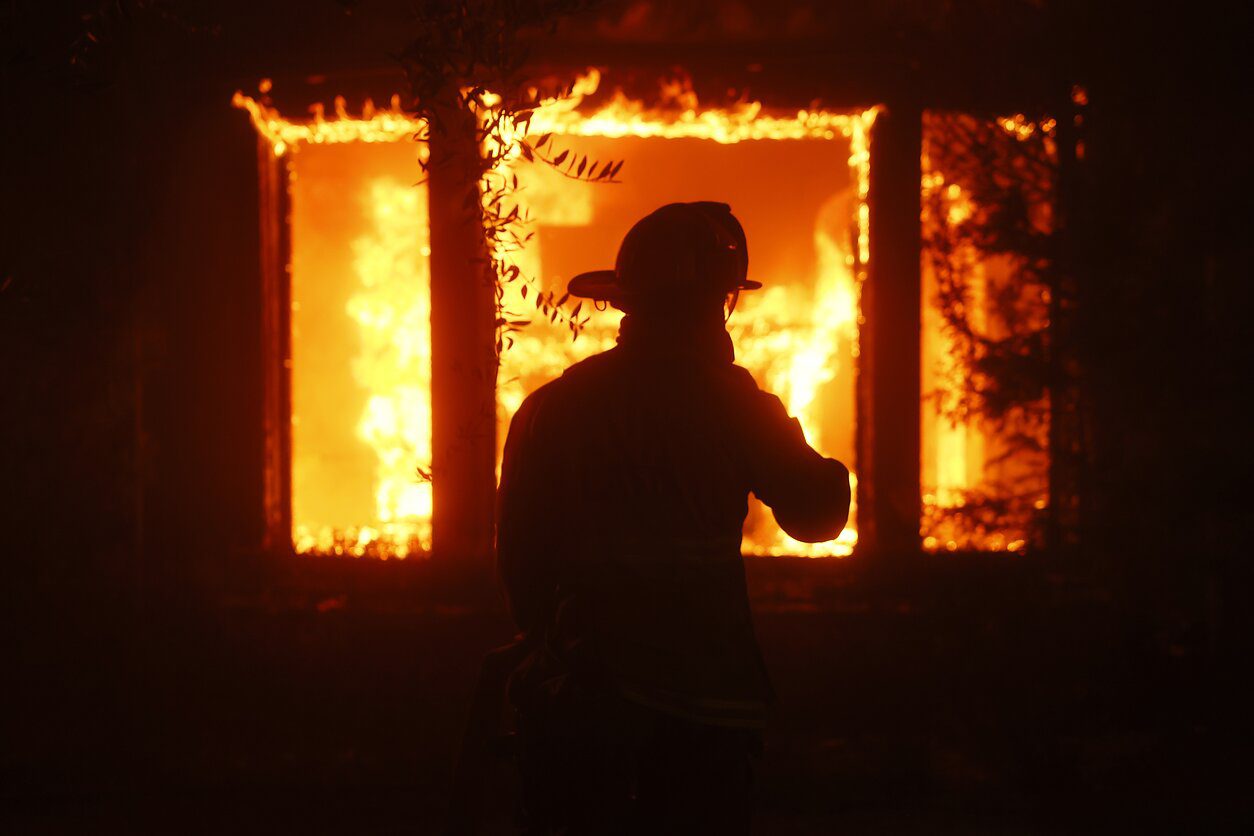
(798, 336)
(970, 463)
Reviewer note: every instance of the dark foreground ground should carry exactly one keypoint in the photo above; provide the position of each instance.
(978, 697)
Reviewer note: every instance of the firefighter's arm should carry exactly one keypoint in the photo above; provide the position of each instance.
(808, 493)
(522, 558)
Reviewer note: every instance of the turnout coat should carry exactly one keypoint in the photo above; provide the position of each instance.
(623, 495)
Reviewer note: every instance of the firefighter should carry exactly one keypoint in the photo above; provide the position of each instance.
(641, 695)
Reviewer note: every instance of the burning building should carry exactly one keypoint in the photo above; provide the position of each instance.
(1005, 282)
(351, 411)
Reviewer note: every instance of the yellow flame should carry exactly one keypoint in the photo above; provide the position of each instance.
(391, 124)
(392, 309)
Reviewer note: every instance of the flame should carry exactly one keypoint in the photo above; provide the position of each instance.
(792, 338)
(389, 125)
(392, 310)
(957, 454)
(808, 345)
(623, 117)
(787, 337)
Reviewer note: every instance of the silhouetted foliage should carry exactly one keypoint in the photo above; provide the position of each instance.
(1001, 221)
(467, 54)
(989, 244)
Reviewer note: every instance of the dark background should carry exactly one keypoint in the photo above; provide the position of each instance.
(164, 675)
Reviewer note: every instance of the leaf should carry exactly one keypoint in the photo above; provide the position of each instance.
(560, 157)
(582, 162)
(524, 291)
(542, 141)
(526, 152)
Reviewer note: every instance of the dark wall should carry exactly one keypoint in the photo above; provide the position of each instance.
(1163, 205)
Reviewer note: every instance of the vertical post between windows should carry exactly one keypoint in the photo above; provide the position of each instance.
(463, 359)
(274, 201)
(888, 371)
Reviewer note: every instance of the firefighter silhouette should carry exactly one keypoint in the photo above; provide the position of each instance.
(636, 686)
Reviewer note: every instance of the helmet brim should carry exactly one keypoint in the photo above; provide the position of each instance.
(601, 285)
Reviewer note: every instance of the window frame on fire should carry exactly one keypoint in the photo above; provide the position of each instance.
(887, 372)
